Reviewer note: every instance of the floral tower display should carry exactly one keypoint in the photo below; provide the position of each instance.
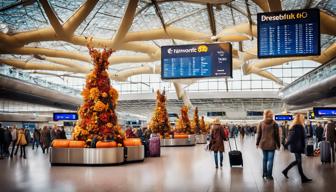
(184, 125)
(97, 116)
(203, 125)
(196, 122)
(160, 121)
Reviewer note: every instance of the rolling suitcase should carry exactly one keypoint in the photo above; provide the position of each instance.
(310, 147)
(235, 156)
(154, 147)
(325, 152)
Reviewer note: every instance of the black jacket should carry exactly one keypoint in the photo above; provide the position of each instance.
(296, 139)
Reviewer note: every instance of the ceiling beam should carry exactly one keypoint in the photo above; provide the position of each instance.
(212, 20)
(269, 5)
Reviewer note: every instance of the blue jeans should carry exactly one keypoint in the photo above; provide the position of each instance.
(268, 162)
(216, 158)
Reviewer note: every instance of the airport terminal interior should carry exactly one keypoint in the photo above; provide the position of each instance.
(167, 95)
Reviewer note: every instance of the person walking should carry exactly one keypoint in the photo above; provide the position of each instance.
(45, 139)
(2, 142)
(62, 134)
(21, 142)
(268, 140)
(284, 133)
(319, 133)
(7, 141)
(242, 132)
(331, 136)
(14, 133)
(27, 135)
(217, 141)
(36, 138)
(296, 141)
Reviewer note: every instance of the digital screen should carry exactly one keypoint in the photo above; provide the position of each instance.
(283, 117)
(65, 116)
(325, 111)
(311, 115)
(289, 33)
(196, 61)
(216, 113)
(254, 113)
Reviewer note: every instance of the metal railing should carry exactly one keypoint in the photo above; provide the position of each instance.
(320, 73)
(24, 76)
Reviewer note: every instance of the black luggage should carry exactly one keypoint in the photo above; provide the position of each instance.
(235, 156)
(325, 152)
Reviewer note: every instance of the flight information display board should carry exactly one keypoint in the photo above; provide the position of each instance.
(65, 116)
(196, 61)
(289, 33)
(283, 117)
(325, 112)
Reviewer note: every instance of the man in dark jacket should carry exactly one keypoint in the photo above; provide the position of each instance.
(331, 136)
(2, 142)
(7, 141)
(36, 138)
(319, 133)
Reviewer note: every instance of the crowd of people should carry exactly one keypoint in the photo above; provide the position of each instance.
(270, 136)
(12, 139)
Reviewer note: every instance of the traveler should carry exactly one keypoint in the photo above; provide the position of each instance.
(45, 139)
(284, 133)
(21, 142)
(27, 135)
(268, 140)
(2, 142)
(241, 131)
(296, 142)
(53, 133)
(7, 141)
(217, 141)
(319, 133)
(14, 133)
(62, 134)
(36, 138)
(331, 136)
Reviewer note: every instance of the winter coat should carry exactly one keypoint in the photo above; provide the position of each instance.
(45, 138)
(36, 135)
(331, 132)
(268, 135)
(2, 135)
(7, 137)
(21, 138)
(217, 138)
(319, 133)
(296, 139)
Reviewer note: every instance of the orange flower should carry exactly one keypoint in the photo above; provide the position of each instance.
(104, 94)
(94, 93)
(109, 125)
(85, 93)
(114, 93)
(99, 106)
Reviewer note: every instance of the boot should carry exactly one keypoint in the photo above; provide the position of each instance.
(285, 171)
(304, 179)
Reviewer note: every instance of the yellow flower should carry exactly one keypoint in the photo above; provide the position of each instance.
(94, 93)
(99, 106)
(109, 125)
(104, 94)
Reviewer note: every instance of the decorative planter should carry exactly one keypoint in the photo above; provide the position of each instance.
(201, 139)
(87, 156)
(134, 153)
(189, 141)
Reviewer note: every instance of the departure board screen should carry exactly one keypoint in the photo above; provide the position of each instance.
(283, 117)
(65, 116)
(196, 61)
(325, 111)
(289, 33)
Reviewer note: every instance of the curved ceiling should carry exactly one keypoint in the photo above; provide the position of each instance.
(52, 35)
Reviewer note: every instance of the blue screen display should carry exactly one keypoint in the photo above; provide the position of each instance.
(283, 117)
(289, 33)
(196, 61)
(324, 112)
(65, 116)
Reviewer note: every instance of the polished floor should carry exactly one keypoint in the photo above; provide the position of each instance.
(178, 170)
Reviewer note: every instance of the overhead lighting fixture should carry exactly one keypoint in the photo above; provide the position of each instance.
(4, 28)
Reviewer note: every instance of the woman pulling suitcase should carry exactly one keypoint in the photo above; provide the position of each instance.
(296, 143)
(217, 141)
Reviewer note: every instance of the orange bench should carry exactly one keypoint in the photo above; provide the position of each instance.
(76, 144)
(132, 142)
(60, 143)
(102, 144)
(180, 136)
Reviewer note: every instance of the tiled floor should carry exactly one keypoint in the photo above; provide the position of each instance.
(179, 169)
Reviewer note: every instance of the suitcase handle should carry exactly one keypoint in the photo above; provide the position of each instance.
(235, 143)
